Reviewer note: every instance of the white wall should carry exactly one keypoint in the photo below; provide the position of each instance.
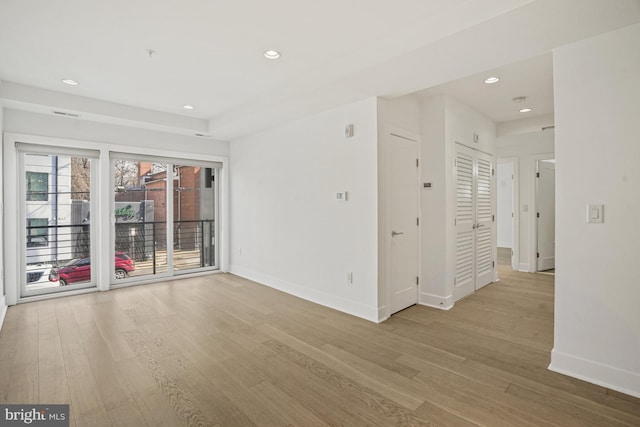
(289, 232)
(402, 112)
(445, 121)
(504, 188)
(3, 304)
(526, 147)
(63, 127)
(433, 269)
(597, 324)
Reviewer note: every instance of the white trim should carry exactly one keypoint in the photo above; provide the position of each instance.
(523, 267)
(354, 308)
(383, 313)
(597, 373)
(3, 310)
(56, 150)
(11, 138)
(437, 301)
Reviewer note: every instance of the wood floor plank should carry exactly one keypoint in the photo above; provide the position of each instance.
(387, 389)
(222, 350)
(294, 413)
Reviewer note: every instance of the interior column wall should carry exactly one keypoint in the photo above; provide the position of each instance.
(597, 323)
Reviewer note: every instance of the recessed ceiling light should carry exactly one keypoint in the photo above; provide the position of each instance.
(492, 80)
(526, 110)
(272, 54)
(188, 107)
(519, 99)
(70, 82)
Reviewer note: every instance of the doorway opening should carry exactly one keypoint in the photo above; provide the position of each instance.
(545, 215)
(507, 212)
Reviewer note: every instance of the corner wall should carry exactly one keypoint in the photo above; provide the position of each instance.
(597, 324)
(289, 231)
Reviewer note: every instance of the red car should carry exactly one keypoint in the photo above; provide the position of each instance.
(79, 270)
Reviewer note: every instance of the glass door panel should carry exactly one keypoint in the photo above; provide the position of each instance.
(57, 234)
(140, 197)
(194, 217)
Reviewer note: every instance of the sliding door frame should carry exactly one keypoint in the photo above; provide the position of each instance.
(103, 217)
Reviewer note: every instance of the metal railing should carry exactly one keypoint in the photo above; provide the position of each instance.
(144, 242)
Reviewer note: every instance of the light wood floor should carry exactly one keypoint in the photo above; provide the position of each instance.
(223, 351)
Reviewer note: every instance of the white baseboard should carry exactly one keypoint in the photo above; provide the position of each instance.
(597, 373)
(505, 245)
(383, 314)
(332, 301)
(436, 301)
(524, 267)
(3, 309)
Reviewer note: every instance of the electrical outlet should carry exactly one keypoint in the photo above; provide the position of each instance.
(349, 278)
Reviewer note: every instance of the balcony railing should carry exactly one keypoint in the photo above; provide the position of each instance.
(144, 242)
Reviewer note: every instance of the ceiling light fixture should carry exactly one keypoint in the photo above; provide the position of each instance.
(271, 54)
(492, 80)
(519, 99)
(188, 107)
(526, 110)
(70, 82)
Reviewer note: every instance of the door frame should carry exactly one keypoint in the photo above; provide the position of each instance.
(384, 222)
(533, 203)
(515, 202)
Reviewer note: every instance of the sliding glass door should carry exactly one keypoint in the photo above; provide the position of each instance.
(165, 217)
(56, 190)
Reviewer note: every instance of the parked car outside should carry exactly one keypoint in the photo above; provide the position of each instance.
(38, 275)
(79, 270)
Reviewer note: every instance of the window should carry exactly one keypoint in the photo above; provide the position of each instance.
(37, 232)
(37, 186)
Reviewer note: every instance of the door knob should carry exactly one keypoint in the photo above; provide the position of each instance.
(396, 233)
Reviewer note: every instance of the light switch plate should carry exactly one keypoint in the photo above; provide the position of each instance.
(595, 214)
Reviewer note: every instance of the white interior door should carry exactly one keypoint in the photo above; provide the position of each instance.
(546, 206)
(474, 221)
(403, 192)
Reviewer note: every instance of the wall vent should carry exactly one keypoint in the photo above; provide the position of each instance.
(63, 113)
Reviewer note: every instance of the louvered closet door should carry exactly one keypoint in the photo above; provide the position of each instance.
(484, 220)
(465, 220)
(474, 221)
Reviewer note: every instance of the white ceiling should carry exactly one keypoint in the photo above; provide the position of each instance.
(209, 52)
(531, 78)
